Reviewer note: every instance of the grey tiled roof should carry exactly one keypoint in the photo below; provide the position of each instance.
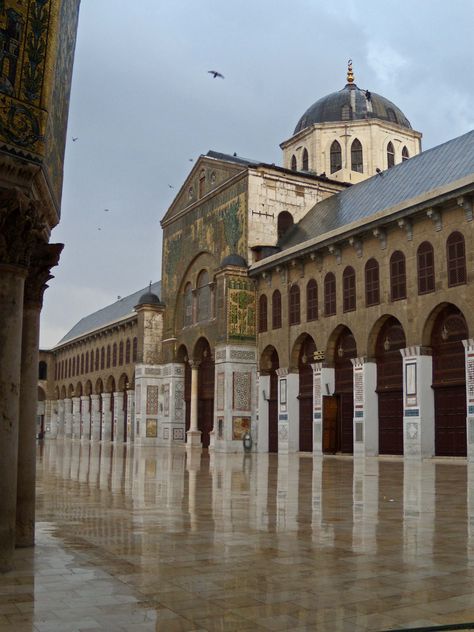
(229, 158)
(419, 175)
(110, 314)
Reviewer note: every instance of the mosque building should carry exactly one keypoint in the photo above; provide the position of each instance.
(323, 306)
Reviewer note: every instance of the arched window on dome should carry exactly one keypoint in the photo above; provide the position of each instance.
(305, 165)
(390, 155)
(405, 154)
(285, 222)
(336, 157)
(294, 166)
(356, 156)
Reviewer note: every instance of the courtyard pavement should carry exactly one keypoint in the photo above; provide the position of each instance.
(140, 539)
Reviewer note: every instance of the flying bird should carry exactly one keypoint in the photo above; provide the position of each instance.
(171, 186)
(215, 74)
(99, 229)
(106, 210)
(74, 139)
(190, 160)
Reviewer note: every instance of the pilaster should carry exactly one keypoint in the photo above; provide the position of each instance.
(148, 379)
(323, 385)
(96, 420)
(68, 417)
(54, 420)
(469, 355)
(172, 424)
(85, 422)
(119, 418)
(106, 416)
(130, 416)
(366, 409)
(76, 417)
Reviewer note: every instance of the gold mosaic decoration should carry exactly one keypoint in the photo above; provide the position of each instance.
(241, 308)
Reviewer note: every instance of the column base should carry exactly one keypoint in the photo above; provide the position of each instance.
(193, 439)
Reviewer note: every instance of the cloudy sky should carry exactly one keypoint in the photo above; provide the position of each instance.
(143, 105)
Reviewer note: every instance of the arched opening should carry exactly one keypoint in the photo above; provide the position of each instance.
(345, 351)
(42, 371)
(206, 372)
(405, 154)
(305, 165)
(335, 157)
(390, 156)
(88, 392)
(293, 163)
(357, 162)
(269, 363)
(305, 395)
(390, 340)
(111, 389)
(285, 222)
(449, 381)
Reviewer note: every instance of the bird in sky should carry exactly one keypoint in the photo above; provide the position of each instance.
(171, 186)
(215, 74)
(74, 139)
(99, 229)
(190, 160)
(106, 210)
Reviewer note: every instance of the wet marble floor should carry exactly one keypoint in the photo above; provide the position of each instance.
(140, 539)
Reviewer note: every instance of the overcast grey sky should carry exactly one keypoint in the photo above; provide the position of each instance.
(142, 105)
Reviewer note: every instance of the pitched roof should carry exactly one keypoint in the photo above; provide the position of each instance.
(422, 174)
(119, 310)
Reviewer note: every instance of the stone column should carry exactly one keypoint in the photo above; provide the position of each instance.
(193, 434)
(76, 417)
(418, 402)
(12, 279)
(44, 257)
(61, 418)
(106, 417)
(366, 408)
(85, 417)
(68, 417)
(54, 423)
(95, 417)
(130, 416)
(119, 418)
(469, 353)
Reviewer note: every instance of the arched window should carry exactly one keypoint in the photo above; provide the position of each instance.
(305, 165)
(372, 283)
(425, 262)
(97, 359)
(390, 155)
(42, 371)
(294, 305)
(262, 313)
(398, 276)
(108, 356)
(405, 154)
(127, 351)
(456, 259)
(82, 364)
(73, 367)
(188, 306)
(276, 309)
(135, 350)
(202, 183)
(69, 367)
(87, 362)
(357, 163)
(114, 354)
(294, 166)
(121, 353)
(56, 371)
(336, 157)
(312, 300)
(285, 222)
(203, 296)
(348, 290)
(77, 364)
(329, 294)
(102, 358)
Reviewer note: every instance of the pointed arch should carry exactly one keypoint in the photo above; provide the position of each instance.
(357, 158)
(335, 154)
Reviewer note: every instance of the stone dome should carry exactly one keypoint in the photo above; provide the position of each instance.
(234, 260)
(352, 104)
(149, 299)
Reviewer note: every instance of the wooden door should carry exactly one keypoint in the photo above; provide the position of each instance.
(344, 388)
(330, 423)
(273, 413)
(206, 399)
(449, 382)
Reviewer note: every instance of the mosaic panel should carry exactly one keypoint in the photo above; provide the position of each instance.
(412, 431)
(166, 400)
(237, 354)
(152, 400)
(138, 399)
(358, 387)
(220, 355)
(470, 378)
(178, 434)
(317, 391)
(242, 390)
(241, 308)
(151, 428)
(179, 400)
(240, 425)
(220, 382)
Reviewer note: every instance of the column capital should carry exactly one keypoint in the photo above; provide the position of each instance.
(282, 372)
(43, 258)
(194, 364)
(22, 227)
(416, 350)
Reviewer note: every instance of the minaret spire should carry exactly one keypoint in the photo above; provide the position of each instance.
(350, 74)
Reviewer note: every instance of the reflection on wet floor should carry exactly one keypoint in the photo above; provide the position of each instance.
(156, 539)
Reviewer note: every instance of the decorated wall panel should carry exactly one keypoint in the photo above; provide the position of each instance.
(241, 308)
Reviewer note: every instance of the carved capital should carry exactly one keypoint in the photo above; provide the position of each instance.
(406, 225)
(357, 245)
(381, 235)
(436, 218)
(43, 258)
(336, 251)
(22, 227)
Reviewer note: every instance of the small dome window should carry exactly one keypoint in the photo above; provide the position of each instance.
(305, 166)
(293, 163)
(405, 154)
(390, 155)
(336, 157)
(357, 157)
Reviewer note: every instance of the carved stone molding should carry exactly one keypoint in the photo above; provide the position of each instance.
(466, 203)
(21, 227)
(381, 235)
(43, 258)
(436, 218)
(336, 252)
(357, 245)
(406, 225)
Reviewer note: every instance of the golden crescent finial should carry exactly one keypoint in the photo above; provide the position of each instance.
(350, 74)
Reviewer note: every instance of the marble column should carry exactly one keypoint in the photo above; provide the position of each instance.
(54, 425)
(119, 418)
(85, 417)
(12, 279)
(193, 434)
(43, 258)
(68, 417)
(106, 417)
(130, 416)
(61, 418)
(76, 417)
(95, 417)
